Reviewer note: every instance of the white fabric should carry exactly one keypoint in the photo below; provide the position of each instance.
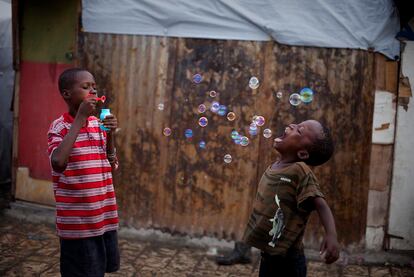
(322, 23)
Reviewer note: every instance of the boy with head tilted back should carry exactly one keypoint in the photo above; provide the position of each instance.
(287, 193)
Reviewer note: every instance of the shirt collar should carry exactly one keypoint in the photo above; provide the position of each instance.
(68, 118)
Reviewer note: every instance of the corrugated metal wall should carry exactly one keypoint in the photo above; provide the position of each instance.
(171, 184)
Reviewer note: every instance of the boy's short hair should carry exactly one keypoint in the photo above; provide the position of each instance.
(68, 77)
(322, 149)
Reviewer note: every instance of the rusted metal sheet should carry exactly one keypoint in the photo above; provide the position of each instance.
(171, 184)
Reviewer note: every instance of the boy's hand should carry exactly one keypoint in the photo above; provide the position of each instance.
(330, 249)
(87, 107)
(110, 122)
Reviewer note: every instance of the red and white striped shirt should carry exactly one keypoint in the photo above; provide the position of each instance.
(84, 193)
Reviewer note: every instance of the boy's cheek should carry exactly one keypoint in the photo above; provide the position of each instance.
(87, 95)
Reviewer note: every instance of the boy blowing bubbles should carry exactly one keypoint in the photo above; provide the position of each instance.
(82, 157)
(287, 193)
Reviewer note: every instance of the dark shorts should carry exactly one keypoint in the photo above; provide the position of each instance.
(89, 256)
(291, 265)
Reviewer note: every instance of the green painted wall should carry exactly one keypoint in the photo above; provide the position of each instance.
(49, 30)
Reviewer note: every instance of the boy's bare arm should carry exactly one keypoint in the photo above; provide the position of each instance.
(111, 123)
(61, 154)
(110, 147)
(329, 246)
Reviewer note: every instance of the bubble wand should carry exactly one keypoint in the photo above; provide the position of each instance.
(102, 98)
(104, 112)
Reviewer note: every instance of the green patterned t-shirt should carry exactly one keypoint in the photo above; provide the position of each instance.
(293, 185)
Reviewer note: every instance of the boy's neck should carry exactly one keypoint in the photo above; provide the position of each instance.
(288, 159)
(73, 111)
(285, 161)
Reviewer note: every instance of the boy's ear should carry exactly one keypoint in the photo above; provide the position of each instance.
(303, 154)
(66, 94)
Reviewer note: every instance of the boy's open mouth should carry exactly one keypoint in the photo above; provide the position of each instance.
(280, 139)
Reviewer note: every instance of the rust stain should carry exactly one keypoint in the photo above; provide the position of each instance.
(404, 92)
(384, 126)
(405, 87)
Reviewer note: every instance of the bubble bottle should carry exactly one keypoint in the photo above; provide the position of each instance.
(104, 113)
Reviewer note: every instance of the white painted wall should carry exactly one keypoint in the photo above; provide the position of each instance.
(401, 218)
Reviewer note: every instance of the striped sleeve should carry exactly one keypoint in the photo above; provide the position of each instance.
(55, 135)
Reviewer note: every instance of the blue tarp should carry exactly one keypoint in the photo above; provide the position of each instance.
(6, 91)
(368, 24)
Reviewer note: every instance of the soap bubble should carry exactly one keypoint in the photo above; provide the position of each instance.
(202, 108)
(259, 120)
(213, 93)
(267, 133)
(237, 139)
(279, 94)
(215, 107)
(294, 99)
(244, 141)
(166, 131)
(253, 129)
(227, 158)
(234, 134)
(231, 116)
(306, 95)
(254, 83)
(253, 132)
(197, 78)
(202, 144)
(222, 110)
(188, 133)
(203, 121)
(161, 106)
